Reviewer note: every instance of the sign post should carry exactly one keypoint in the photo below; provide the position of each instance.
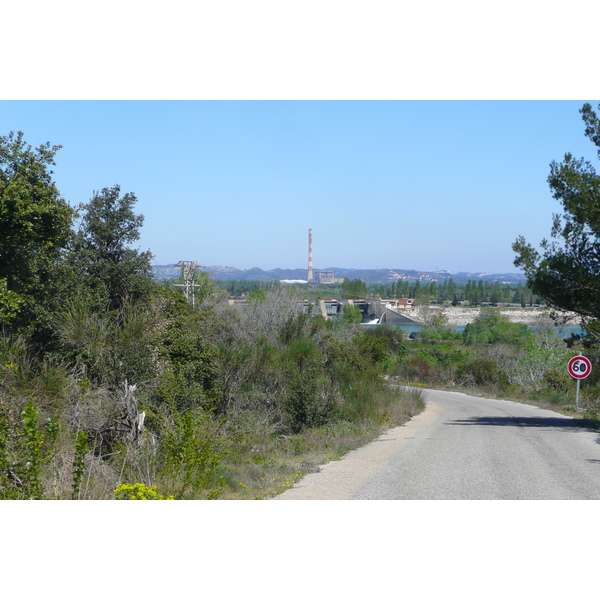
(579, 368)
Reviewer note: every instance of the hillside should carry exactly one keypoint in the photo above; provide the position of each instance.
(367, 275)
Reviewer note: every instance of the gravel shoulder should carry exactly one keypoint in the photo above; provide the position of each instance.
(339, 480)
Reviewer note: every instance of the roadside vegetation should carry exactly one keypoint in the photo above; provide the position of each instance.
(113, 386)
(495, 357)
(213, 403)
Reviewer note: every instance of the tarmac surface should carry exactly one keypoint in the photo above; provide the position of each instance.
(467, 448)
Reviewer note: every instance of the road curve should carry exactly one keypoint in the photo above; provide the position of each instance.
(467, 448)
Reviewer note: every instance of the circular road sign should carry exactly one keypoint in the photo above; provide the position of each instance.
(579, 367)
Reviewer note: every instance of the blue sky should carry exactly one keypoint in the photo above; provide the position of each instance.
(400, 184)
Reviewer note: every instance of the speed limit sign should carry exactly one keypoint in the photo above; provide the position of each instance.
(579, 367)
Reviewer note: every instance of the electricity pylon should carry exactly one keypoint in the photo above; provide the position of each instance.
(188, 270)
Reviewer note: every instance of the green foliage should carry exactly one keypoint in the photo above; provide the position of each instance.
(511, 333)
(378, 343)
(32, 438)
(296, 326)
(81, 449)
(6, 476)
(354, 288)
(491, 327)
(438, 331)
(190, 371)
(351, 315)
(109, 270)
(204, 286)
(557, 380)
(139, 491)
(308, 401)
(236, 288)
(480, 371)
(20, 454)
(533, 368)
(35, 223)
(10, 303)
(111, 347)
(191, 460)
(436, 336)
(567, 271)
(477, 333)
(257, 295)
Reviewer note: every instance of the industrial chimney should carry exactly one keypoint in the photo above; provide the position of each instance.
(310, 273)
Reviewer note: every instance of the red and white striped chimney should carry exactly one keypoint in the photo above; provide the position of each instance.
(310, 273)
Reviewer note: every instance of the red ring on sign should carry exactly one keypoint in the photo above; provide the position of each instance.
(579, 367)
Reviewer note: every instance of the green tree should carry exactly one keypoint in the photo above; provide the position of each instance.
(351, 315)
(566, 273)
(110, 270)
(354, 288)
(189, 377)
(36, 225)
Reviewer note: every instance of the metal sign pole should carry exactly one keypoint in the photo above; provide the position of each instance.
(577, 393)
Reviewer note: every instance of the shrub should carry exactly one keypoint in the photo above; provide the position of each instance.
(20, 454)
(191, 461)
(480, 371)
(378, 343)
(81, 449)
(309, 400)
(557, 380)
(492, 327)
(138, 491)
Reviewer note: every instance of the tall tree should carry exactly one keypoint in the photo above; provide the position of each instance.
(566, 273)
(354, 288)
(35, 226)
(110, 269)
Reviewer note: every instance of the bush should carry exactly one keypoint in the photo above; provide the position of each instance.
(138, 491)
(21, 455)
(557, 380)
(191, 460)
(309, 400)
(380, 342)
(492, 327)
(480, 371)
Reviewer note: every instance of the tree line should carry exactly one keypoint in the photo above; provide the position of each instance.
(472, 293)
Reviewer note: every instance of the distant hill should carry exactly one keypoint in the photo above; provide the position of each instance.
(367, 275)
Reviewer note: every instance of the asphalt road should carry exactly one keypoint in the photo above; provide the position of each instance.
(467, 448)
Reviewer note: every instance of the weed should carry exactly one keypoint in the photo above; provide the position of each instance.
(191, 460)
(81, 449)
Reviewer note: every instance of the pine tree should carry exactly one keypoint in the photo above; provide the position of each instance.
(566, 273)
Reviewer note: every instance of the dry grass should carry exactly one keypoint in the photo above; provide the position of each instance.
(267, 465)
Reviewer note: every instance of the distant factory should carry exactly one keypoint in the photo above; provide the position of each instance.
(326, 277)
(318, 277)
